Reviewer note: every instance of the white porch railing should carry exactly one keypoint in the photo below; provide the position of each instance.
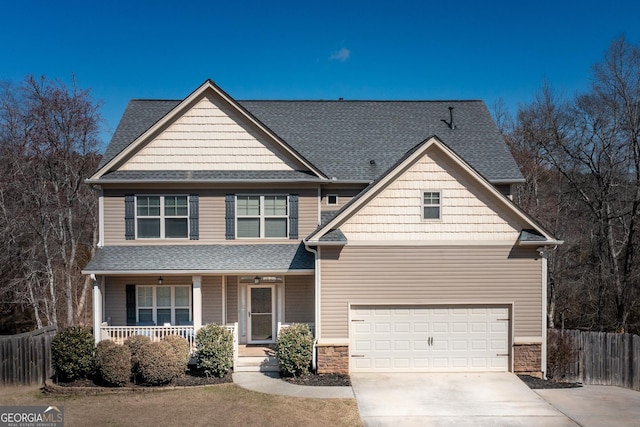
(119, 334)
(286, 325)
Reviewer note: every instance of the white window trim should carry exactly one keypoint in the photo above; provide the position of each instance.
(262, 216)
(162, 216)
(154, 304)
(424, 205)
(332, 204)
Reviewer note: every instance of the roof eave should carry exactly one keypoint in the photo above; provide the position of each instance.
(191, 272)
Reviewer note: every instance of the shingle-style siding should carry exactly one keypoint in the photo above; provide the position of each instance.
(232, 299)
(211, 221)
(209, 136)
(467, 213)
(430, 275)
(212, 299)
(299, 299)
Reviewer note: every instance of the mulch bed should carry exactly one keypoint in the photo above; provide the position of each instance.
(331, 380)
(539, 383)
(89, 386)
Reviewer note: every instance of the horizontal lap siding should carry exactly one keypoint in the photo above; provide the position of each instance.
(431, 275)
(232, 299)
(115, 302)
(299, 304)
(211, 215)
(212, 300)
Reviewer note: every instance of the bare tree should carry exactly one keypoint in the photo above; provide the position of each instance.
(48, 136)
(588, 147)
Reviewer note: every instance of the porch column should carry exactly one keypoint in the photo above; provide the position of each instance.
(197, 302)
(97, 308)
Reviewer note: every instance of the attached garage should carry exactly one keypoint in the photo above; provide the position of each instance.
(402, 338)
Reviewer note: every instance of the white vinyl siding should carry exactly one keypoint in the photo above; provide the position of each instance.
(468, 212)
(210, 136)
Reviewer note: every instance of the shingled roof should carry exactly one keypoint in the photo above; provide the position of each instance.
(356, 140)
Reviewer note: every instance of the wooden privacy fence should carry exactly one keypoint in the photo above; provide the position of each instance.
(597, 357)
(26, 358)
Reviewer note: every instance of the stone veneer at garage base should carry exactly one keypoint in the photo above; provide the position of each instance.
(334, 359)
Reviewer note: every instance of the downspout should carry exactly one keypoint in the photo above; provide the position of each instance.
(316, 325)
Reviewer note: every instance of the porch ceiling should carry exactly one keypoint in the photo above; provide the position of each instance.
(280, 258)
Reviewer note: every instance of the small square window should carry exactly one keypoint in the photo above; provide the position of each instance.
(431, 205)
(332, 199)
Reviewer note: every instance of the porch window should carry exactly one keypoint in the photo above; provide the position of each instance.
(162, 217)
(261, 216)
(164, 304)
(431, 205)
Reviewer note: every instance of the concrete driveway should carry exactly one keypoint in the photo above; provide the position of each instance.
(474, 399)
(597, 405)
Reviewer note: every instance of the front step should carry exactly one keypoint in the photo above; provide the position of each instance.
(256, 364)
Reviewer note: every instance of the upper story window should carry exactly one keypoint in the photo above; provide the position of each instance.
(431, 205)
(162, 217)
(332, 199)
(261, 216)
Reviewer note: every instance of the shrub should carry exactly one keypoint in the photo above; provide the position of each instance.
(135, 343)
(113, 363)
(157, 363)
(72, 353)
(215, 350)
(182, 349)
(294, 348)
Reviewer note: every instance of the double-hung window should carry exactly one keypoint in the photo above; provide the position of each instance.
(431, 205)
(164, 304)
(162, 217)
(261, 216)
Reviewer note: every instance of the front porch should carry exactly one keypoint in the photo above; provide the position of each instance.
(246, 357)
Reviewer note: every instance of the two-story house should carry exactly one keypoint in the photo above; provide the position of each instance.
(387, 226)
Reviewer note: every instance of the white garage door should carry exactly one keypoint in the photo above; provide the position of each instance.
(429, 339)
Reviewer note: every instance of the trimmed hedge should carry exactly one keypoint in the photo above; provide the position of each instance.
(158, 363)
(215, 349)
(135, 343)
(72, 353)
(294, 349)
(181, 348)
(113, 363)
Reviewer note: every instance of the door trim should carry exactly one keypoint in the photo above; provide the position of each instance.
(273, 313)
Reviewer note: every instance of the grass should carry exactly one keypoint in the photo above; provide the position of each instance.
(225, 404)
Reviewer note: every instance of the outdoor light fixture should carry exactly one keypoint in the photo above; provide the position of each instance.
(160, 280)
(256, 280)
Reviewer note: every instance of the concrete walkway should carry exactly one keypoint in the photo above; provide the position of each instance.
(270, 382)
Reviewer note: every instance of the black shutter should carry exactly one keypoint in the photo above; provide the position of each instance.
(230, 216)
(129, 217)
(293, 216)
(193, 217)
(131, 305)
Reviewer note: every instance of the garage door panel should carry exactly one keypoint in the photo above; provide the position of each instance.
(425, 339)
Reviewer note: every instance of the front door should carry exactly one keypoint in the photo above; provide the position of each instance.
(261, 310)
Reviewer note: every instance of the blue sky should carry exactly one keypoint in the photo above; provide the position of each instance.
(416, 49)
